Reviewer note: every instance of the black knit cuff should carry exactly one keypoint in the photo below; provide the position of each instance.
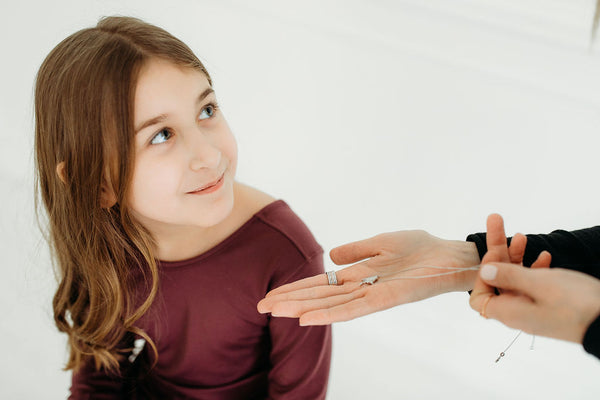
(591, 339)
(479, 240)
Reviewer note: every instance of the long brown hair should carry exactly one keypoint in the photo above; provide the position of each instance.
(84, 97)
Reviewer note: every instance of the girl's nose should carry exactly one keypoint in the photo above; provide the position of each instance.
(204, 154)
(210, 159)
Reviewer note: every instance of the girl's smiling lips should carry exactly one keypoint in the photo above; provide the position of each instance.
(211, 187)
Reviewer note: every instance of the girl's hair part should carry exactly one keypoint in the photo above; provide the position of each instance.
(84, 155)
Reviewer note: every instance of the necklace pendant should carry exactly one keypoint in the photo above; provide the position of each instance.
(369, 280)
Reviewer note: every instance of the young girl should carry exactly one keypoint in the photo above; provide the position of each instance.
(162, 255)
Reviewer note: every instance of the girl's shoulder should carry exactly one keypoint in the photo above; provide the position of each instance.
(289, 231)
(251, 200)
(279, 217)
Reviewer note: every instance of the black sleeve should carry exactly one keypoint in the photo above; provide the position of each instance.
(576, 250)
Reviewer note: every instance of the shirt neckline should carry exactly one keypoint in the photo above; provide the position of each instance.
(225, 242)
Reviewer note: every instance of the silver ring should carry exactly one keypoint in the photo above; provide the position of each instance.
(331, 278)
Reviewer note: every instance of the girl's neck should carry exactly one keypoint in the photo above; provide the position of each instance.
(182, 243)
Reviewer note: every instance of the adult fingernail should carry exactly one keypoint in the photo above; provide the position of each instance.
(488, 272)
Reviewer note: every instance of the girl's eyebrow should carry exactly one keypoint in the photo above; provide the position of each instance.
(162, 117)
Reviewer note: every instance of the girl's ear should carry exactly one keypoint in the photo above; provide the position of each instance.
(60, 171)
(107, 195)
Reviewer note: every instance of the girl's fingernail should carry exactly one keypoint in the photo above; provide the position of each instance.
(488, 272)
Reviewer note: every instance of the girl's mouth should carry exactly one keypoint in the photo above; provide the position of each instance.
(211, 187)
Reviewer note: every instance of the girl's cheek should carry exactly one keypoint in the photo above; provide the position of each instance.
(232, 150)
(151, 175)
(163, 176)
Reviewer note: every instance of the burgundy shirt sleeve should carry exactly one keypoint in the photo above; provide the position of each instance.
(211, 340)
(300, 355)
(88, 383)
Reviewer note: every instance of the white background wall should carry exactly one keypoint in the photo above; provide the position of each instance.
(365, 116)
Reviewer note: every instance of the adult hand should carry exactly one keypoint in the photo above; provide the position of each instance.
(555, 302)
(498, 250)
(390, 256)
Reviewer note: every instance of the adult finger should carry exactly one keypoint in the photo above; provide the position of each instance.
(511, 309)
(516, 251)
(543, 261)
(497, 249)
(480, 293)
(495, 236)
(355, 251)
(508, 276)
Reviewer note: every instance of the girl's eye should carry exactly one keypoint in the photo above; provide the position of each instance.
(208, 111)
(161, 137)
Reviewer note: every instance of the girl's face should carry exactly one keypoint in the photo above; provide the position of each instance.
(186, 155)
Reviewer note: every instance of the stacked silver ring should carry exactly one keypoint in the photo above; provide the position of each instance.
(331, 278)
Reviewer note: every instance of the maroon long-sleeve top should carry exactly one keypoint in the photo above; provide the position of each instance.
(212, 343)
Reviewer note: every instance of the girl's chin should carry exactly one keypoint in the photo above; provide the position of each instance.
(220, 211)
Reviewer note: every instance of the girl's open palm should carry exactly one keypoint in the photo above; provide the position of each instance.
(397, 258)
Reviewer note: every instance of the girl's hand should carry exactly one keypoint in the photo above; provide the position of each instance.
(555, 302)
(389, 256)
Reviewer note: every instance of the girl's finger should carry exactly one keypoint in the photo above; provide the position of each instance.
(355, 251)
(295, 308)
(317, 280)
(343, 312)
(309, 293)
(354, 272)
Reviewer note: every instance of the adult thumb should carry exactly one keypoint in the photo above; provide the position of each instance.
(506, 276)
